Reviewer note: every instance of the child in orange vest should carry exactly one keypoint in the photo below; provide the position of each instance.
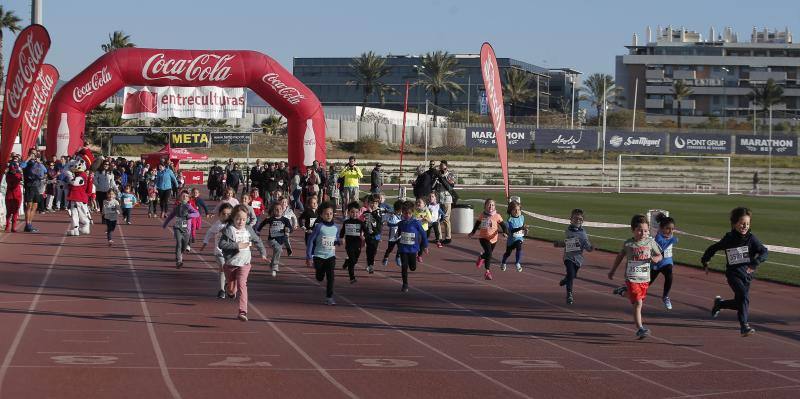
(489, 226)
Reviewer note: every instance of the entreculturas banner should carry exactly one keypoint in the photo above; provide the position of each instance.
(206, 102)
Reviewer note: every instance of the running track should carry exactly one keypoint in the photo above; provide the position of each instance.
(82, 320)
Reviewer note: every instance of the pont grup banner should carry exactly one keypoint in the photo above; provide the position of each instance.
(203, 102)
(494, 98)
(565, 139)
(26, 60)
(700, 143)
(38, 102)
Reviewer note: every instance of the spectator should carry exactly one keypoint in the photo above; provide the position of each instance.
(376, 179)
(256, 175)
(422, 184)
(756, 180)
(443, 186)
(165, 183)
(216, 181)
(104, 181)
(33, 173)
(270, 182)
(352, 176)
(234, 178)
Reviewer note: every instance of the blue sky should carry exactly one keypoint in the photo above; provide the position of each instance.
(585, 35)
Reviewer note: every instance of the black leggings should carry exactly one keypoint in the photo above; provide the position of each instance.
(434, 226)
(101, 196)
(372, 249)
(163, 199)
(409, 262)
(389, 249)
(488, 248)
(667, 272)
(324, 269)
(739, 281)
(515, 245)
(353, 252)
(572, 272)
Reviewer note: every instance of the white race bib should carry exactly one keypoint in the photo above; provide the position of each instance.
(128, 201)
(256, 204)
(181, 224)
(668, 251)
(486, 223)
(519, 234)
(408, 238)
(572, 244)
(327, 243)
(352, 230)
(638, 271)
(738, 256)
(311, 221)
(276, 230)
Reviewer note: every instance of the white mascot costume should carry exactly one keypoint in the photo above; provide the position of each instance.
(80, 186)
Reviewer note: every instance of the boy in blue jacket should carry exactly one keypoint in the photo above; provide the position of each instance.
(321, 249)
(412, 239)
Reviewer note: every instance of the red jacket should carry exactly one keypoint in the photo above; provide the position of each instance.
(80, 188)
(13, 188)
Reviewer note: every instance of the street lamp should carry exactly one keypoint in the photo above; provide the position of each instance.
(724, 96)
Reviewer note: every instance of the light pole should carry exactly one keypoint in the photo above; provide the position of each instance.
(572, 103)
(724, 96)
(603, 177)
(769, 167)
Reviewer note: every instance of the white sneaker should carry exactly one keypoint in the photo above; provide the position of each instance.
(519, 267)
(330, 301)
(503, 267)
(274, 273)
(188, 249)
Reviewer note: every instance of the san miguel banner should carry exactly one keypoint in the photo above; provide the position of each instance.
(24, 64)
(637, 143)
(204, 102)
(564, 139)
(42, 93)
(484, 137)
(700, 143)
(494, 97)
(759, 145)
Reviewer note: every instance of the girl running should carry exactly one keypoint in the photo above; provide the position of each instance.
(575, 243)
(229, 197)
(197, 203)
(252, 219)
(488, 226)
(288, 213)
(128, 201)
(235, 242)
(744, 252)
(392, 219)
(639, 250)
(517, 232)
(223, 217)
(323, 238)
(435, 209)
(257, 203)
(308, 217)
(152, 200)
(413, 241)
(665, 240)
(110, 213)
(182, 214)
(279, 229)
(353, 234)
(424, 216)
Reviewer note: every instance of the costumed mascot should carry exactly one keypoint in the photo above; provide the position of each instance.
(79, 182)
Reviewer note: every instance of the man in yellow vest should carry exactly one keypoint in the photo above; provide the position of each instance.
(352, 175)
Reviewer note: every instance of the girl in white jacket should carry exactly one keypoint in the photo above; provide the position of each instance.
(223, 216)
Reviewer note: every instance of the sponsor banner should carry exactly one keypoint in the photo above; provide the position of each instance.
(127, 139)
(639, 143)
(563, 139)
(205, 102)
(38, 102)
(759, 145)
(230, 138)
(494, 98)
(700, 143)
(193, 176)
(485, 137)
(188, 140)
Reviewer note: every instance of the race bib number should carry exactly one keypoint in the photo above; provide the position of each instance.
(181, 224)
(311, 221)
(256, 204)
(486, 223)
(327, 243)
(128, 201)
(738, 256)
(519, 234)
(668, 252)
(276, 230)
(572, 244)
(352, 230)
(408, 238)
(638, 271)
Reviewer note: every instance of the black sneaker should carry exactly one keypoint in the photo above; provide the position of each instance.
(570, 299)
(716, 308)
(562, 283)
(642, 332)
(289, 251)
(747, 330)
(446, 241)
(405, 288)
(221, 294)
(353, 280)
(620, 291)
(178, 265)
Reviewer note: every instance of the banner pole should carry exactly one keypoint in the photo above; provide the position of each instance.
(403, 138)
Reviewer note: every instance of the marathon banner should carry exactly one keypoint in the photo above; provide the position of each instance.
(564, 139)
(638, 143)
(700, 143)
(189, 140)
(759, 145)
(230, 138)
(484, 137)
(204, 102)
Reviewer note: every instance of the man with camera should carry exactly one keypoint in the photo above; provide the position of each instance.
(443, 186)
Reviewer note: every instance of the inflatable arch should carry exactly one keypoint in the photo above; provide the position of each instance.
(155, 67)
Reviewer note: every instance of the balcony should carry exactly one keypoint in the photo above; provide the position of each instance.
(685, 104)
(654, 74)
(654, 103)
(763, 76)
(683, 75)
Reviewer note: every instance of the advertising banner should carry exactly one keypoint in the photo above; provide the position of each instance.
(700, 143)
(478, 137)
(188, 140)
(193, 176)
(564, 139)
(204, 102)
(38, 101)
(494, 97)
(759, 145)
(230, 138)
(127, 139)
(637, 143)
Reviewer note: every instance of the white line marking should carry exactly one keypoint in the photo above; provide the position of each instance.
(341, 333)
(227, 354)
(58, 330)
(346, 344)
(734, 392)
(223, 343)
(87, 341)
(214, 332)
(380, 356)
(85, 353)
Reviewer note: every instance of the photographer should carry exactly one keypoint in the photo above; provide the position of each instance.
(33, 173)
(443, 186)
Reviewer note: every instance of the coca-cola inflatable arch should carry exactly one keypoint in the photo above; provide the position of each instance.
(154, 67)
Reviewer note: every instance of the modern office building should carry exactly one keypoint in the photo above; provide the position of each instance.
(328, 77)
(564, 89)
(720, 70)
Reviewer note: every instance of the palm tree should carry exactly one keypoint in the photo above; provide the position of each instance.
(10, 21)
(517, 89)
(273, 125)
(594, 85)
(117, 40)
(681, 92)
(768, 95)
(437, 73)
(367, 70)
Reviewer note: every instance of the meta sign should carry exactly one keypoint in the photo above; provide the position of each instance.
(485, 137)
(188, 140)
(563, 139)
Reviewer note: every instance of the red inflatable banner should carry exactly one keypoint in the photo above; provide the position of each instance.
(38, 101)
(494, 97)
(27, 58)
(191, 68)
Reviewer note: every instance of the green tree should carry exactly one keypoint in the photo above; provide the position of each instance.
(117, 40)
(367, 71)
(767, 95)
(594, 86)
(681, 92)
(517, 89)
(437, 73)
(273, 125)
(8, 20)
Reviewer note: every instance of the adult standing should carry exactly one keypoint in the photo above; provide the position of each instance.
(423, 183)
(376, 179)
(216, 178)
(282, 177)
(443, 186)
(756, 180)
(270, 182)
(352, 178)
(256, 175)
(103, 183)
(323, 177)
(234, 178)
(33, 173)
(165, 183)
(296, 189)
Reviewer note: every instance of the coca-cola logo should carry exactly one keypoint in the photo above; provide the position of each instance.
(42, 91)
(289, 93)
(30, 57)
(99, 79)
(204, 67)
(494, 100)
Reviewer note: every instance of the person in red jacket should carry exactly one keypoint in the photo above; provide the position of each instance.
(13, 196)
(257, 203)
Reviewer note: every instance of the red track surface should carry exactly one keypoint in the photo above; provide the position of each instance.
(82, 320)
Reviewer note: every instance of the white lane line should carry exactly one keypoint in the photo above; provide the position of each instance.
(12, 350)
(341, 333)
(381, 356)
(423, 343)
(229, 354)
(59, 330)
(87, 341)
(705, 395)
(214, 332)
(85, 353)
(162, 363)
(346, 344)
(324, 372)
(223, 343)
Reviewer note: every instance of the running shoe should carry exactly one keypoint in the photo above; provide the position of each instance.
(519, 268)
(397, 261)
(221, 294)
(667, 303)
(404, 288)
(274, 273)
(178, 265)
(487, 275)
(353, 280)
(642, 332)
(110, 242)
(620, 291)
(447, 241)
(128, 222)
(503, 267)
(562, 283)
(479, 262)
(330, 301)
(385, 262)
(439, 245)
(716, 308)
(188, 249)
(242, 316)
(748, 331)
(277, 267)
(570, 298)
(370, 270)
(289, 251)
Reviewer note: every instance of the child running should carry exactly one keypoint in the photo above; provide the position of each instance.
(128, 201)
(744, 252)
(223, 217)
(182, 214)
(639, 250)
(197, 203)
(13, 196)
(288, 213)
(516, 234)
(575, 243)
(324, 236)
(665, 240)
(488, 225)
(413, 241)
(353, 233)
(435, 209)
(372, 230)
(235, 242)
(110, 213)
(309, 217)
(279, 228)
(392, 219)
(424, 216)
(252, 219)
(152, 200)
(257, 203)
